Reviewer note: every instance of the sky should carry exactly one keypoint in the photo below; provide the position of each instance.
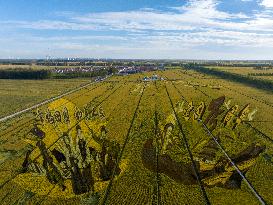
(137, 29)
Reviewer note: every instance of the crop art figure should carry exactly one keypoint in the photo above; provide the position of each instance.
(78, 114)
(215, 170)
(39, 116)
(230, 115)
(199, 111)
(167, 138)
(80, 157)
(52, 172)
(243, 115)
(50, 118)
(58, 116)
(215, 110)
(215, 173)
(188, 111)
(66, 118)
(81, 142)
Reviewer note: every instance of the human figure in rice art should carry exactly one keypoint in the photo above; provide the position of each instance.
(77, 159)
(72, 156)
(214, 170)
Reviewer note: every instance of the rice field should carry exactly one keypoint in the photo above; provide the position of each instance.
(18, 94)
(264, 74)
(185, 138)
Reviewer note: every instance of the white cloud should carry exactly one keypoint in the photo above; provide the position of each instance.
(193, 26)
(49, 25)
(267, 3)
(195, 14)
(207, 9)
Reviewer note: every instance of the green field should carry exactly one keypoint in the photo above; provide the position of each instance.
(18, 94)
(247, 71)
(129, 141)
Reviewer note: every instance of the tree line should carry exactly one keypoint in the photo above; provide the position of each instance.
(260, 74)
(247, 80)
(47, 74)
(24, 74)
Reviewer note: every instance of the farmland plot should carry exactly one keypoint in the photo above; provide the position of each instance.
(186, 139)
